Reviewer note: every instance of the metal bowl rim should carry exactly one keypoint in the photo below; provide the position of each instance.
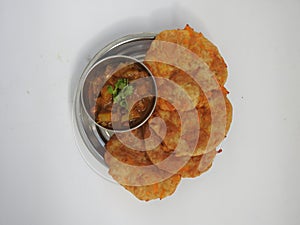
(102, 61)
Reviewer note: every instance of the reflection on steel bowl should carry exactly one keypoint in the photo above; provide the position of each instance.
(119, 93)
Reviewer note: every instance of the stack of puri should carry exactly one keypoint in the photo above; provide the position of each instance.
(191, 118)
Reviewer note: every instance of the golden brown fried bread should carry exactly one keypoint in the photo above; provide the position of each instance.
(194, 126)
(229, 115)
(132, 156)
(209, 53)
(180, 92)
(214, 122)
(148, 184)
(176, 96)
(197, 165)
(186, 166)
(189, 85)
(184, 131)
(191, 40)
(133, 170)
(191, 118)
(170, 122)
(157, 190)
(160, 69)
(214, 126)
(207, 140)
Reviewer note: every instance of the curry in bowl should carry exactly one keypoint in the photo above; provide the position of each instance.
(119, 93)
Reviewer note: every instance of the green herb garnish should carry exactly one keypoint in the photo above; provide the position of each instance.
(120, 92)
(121, 83)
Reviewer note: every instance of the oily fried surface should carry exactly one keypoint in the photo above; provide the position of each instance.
(180, 91)
(211, 134)
(158, 154)
(214, 127)
(129, 155)
(171, 122)
(191, 118)
(181, 129)
(189, 85)
(176, 98)
(190, 130)
(229, 115)
(209, 53)
(133, 170)
(197, 165)
(204, 96)
(191, 40)
(180, 37)
(146, 184)
(158, 190)
(186, 166)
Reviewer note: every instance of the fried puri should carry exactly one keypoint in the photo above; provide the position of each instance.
(210, 98)
(198, 165)
(158, 190)
(190, 120)
(191, 40)
(134, 171)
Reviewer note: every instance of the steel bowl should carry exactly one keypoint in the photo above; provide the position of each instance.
(91, 138)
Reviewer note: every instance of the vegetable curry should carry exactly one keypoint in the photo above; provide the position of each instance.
(124, 100)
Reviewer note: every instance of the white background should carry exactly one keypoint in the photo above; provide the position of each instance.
(45, 45)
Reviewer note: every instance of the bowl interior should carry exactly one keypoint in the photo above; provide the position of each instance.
(96, 82)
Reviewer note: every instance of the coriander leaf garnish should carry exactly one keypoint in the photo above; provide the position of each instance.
(120, 92)
(110, 90)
